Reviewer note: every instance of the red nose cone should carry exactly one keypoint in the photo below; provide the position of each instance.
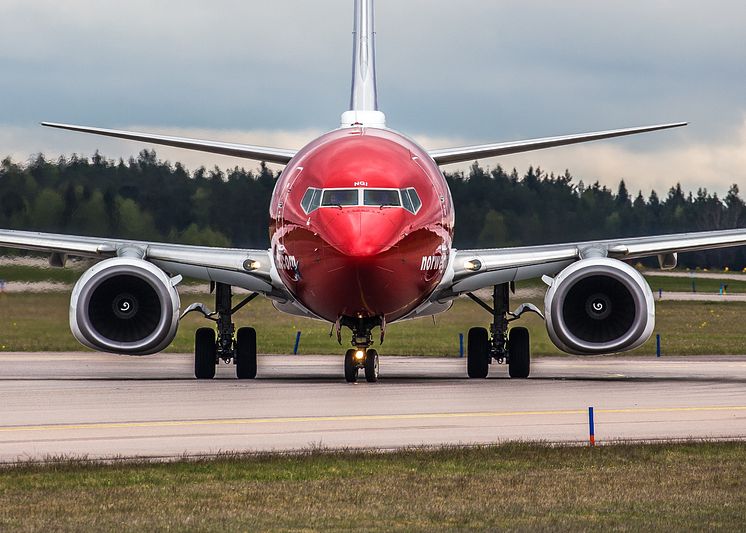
(360, 232)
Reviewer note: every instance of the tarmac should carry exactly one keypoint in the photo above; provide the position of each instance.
(102, 406)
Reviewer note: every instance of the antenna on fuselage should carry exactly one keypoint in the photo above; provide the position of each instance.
(364, 97)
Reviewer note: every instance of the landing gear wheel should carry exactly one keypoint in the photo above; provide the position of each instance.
(519, 353)
(478, 353)
(204, 353)
(371, 366)
(350, 367)
(245, 353)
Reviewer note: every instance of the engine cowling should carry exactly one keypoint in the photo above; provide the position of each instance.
(598, 306)
(124, 305)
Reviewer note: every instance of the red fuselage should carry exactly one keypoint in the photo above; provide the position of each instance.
(351, 259)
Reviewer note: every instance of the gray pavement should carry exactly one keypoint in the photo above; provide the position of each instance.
(96, 405)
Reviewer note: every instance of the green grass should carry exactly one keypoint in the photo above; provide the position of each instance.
(665, 487)
(39, 322)
(31, 274)
(703, 285)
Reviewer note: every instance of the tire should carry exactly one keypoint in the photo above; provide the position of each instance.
(246, 353)
(519, 353)
(350, 367)
(478, 353)
(204, 353)
(371, 366)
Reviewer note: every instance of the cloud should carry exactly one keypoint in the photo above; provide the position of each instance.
(714, 166)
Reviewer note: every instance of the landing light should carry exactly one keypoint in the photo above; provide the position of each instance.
(251, 265)
(473, 265)
(359, 355)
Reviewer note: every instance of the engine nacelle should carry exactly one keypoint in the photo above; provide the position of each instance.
(124, 305)
(598, 306)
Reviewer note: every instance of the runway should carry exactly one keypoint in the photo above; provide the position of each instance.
(100, 406)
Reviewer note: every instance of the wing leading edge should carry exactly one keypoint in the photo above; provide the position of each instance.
(249, 269)
(260, 153)
(476, 269)
(470, 153)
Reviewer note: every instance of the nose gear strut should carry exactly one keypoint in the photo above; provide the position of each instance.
(361, 355)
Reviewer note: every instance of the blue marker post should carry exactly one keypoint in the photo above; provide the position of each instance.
(297, 343)
(460, 344)
(658, 345)
(591, 426)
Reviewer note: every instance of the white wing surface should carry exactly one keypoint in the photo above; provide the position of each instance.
(476, 269)
(471, 153)
(249, 269)
(260, 153)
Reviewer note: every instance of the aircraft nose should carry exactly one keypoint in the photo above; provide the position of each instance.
(359, 233)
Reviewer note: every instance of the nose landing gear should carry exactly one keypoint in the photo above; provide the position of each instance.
(359, 359)
(362, 356)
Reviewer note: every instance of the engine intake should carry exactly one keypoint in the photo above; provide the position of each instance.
(124, 305)
(598, 306)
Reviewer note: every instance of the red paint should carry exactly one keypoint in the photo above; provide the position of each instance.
(361, 261)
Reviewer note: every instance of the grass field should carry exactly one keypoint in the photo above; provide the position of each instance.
(703, 285)
(39, 322)
(512, 486)
(30, 322)
(11, 271)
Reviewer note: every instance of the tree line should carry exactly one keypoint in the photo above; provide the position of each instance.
(149, 199)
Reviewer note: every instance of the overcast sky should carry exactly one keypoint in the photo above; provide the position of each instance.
(450, 73)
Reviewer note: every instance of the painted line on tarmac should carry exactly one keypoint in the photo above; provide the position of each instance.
(355, 418)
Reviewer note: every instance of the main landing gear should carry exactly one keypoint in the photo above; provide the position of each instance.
(227, 344)
(362, 356)
(500, 344)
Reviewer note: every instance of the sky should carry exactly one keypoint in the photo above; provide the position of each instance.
(450, 73)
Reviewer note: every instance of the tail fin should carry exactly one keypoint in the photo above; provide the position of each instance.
(364, 98)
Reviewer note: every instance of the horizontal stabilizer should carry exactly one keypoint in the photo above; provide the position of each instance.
(258, 153)
(471, 153)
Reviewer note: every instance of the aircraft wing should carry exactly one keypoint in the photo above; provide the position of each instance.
(260, 153)
(471, 153)
(250, 269)
(476, 269)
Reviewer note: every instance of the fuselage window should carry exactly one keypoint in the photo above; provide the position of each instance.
(411, 200)
(340, 198)
(381, 197)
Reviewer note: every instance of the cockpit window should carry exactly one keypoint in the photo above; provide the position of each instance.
(406, 198)
(311, 200)
(381, 197)
(411, 200)
(340, 197)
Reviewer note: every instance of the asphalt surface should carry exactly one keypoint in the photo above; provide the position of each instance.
(101, 406)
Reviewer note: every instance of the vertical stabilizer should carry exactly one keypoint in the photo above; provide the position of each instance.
(364, 99)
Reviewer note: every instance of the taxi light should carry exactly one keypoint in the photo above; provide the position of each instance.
(359, 355)
(473, 265)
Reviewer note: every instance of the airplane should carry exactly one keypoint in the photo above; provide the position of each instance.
(361, 228)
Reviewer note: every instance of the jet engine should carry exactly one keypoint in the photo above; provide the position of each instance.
(125, 305)
(598, 306)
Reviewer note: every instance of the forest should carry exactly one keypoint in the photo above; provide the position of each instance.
(149, 199)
